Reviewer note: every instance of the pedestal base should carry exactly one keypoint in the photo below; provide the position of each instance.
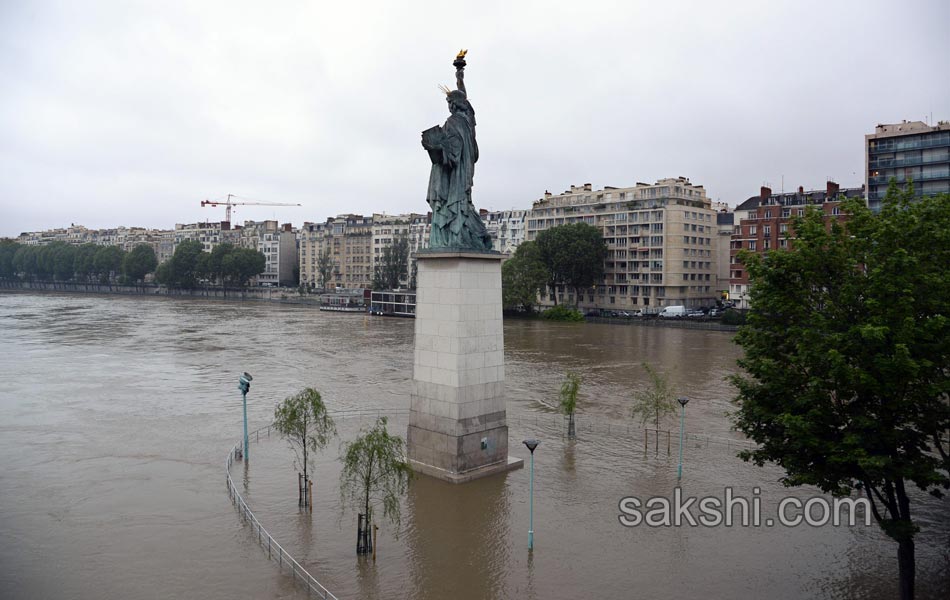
(457, 427)
(512, 463)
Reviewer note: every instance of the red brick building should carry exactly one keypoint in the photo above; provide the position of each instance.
(762, 224)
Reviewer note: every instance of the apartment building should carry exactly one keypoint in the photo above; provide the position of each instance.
(386, 229)
(277, 243)
(506, 228)
(661, 239)
(349, 241)
(762, 224)
(910, 150)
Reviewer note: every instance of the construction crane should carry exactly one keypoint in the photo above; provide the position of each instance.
(228, 203)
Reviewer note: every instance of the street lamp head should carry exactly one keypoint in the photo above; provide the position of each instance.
(532, 444)
(248, 376)
(682, 400)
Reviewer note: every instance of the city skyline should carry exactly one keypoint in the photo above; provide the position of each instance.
(120, 115)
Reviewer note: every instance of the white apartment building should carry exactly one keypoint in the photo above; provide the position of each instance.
(662, 240)
(506, 227)
(278, 244)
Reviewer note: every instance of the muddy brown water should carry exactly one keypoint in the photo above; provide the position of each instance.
(117, 414)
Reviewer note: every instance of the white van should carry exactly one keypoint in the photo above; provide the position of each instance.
(673, 312)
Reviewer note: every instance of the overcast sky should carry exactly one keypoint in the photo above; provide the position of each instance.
(131, 113)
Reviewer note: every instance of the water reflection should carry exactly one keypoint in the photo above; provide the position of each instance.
(462, 530)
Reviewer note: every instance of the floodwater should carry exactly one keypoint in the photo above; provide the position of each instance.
(118, 413)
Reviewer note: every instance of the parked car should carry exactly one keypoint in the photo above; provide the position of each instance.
(714, 313)
(695, 313)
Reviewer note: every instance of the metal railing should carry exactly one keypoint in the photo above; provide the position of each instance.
(275, 551)
(629, 430)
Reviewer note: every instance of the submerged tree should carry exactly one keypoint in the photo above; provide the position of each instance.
(655, 402)
(375, 471)
(303, 420)
(568, 399)
(846, 359)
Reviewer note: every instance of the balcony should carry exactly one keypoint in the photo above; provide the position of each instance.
(884, 163)
(935, 141)
(886, 179)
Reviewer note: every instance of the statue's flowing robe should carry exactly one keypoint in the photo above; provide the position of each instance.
(455, 222)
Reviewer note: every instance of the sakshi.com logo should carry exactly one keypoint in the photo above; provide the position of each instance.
(732, 510)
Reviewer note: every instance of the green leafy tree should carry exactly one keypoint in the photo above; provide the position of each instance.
(655, 402)
(574, 256)
(375, 471)
(846, 354)
(63, 259)
(568, 399)
(325, 267)
(108, 262)
(523, 277)
(25, 261)
(393, 266)
(8, 249)
(214, 268)
(85, 261)
(303, 421)
(181, 269)
(139, 262)
(242, 264)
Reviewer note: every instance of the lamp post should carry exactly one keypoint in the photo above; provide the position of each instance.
(531, 444)
(682, 400)
(244, 384)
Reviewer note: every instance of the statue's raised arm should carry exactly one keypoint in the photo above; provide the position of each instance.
(460, 71)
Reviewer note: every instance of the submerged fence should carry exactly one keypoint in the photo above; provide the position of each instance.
(276, 552)
(631, 431)
(265, 540)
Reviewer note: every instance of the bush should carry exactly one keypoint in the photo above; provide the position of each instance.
(562, 313)
(733, 317)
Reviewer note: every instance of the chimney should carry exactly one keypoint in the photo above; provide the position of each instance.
(547, 194)
(801, 191)
(831, 190)
(764, 194)
(288, 227)
(587, 187)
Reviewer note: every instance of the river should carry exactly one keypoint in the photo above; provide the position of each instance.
(118, 413)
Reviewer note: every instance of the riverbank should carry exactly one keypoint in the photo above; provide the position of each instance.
(282, 295)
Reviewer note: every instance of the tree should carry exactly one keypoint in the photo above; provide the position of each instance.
(325, 267)
(84, 263)
(242, 264)
(574, 256)
(139, 262)
(523, 277)
(655, 402)
(181, 267)
(393, 266)
(8, 249)
(568, 399)
(846, 354)
(375, 471)
(63, 259)
(215, 263)
(303, 420)
(108, 262)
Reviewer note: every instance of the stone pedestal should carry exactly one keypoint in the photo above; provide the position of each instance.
(457, 426)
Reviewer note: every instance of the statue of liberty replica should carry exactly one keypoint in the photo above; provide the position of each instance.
(456, 224)
(458, 428)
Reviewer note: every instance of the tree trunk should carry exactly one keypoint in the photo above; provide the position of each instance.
(570, 426)
(905, 564)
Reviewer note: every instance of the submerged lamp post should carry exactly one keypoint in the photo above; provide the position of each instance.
(531, 444)
(244, 384)
(682, 400)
